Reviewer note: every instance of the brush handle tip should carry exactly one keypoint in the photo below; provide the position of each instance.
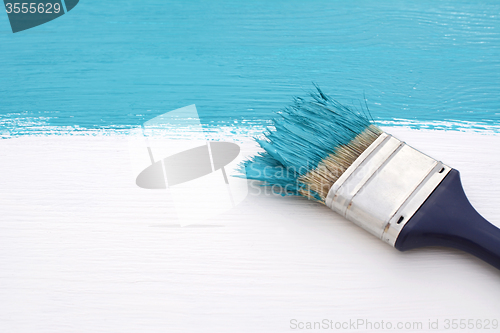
(448, 219)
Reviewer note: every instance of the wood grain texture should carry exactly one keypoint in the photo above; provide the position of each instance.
(82, 249)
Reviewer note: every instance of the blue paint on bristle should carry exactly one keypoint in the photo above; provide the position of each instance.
(303, 135)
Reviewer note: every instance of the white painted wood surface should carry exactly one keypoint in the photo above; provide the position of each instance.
(82, 249)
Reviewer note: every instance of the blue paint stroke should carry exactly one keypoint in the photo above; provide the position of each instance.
(115, 64)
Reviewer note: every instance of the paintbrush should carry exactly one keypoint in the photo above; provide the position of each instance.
(322, 150)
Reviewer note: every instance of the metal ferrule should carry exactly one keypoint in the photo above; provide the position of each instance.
(385, 186)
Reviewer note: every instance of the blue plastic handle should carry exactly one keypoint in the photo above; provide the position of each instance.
(448, 219)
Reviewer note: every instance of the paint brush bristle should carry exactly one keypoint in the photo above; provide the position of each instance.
(310, 145)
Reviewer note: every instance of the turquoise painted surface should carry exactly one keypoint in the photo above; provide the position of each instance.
(111, 64)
